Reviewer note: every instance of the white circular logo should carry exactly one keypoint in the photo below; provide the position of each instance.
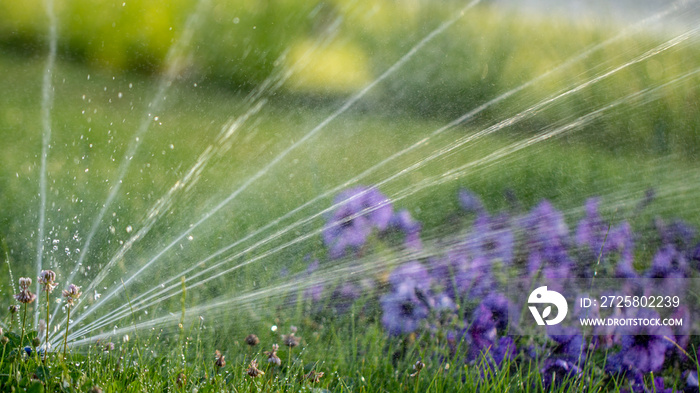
(542, 296)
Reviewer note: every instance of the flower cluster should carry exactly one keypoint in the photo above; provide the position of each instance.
(461, 291)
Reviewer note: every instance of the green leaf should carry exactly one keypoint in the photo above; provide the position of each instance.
(35, 387)
(43, 373)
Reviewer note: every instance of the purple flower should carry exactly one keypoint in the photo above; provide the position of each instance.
(466, 277)
(546, 227)
(470, 202)
(359, 211)
(643, 347)
(621, 239)
(556, 372)
(403, 222)
(668, 262)
(343, 296)
(411, 273)
(481, 334)
(677, 233)
(637, 385)
(499, 306)
(492, 239)
(591, 229)
(403, 310)
(571, 345)
(548, 238)
(691, 380)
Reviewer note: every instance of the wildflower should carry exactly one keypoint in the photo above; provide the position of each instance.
(643, 349)
(181, 380)
(253, 370)
(691, 380)
(219, 361)
(481, 334)
(13, 309)
(499, 306)
(25, 297)
(72, 294)
(403, 222)
(359, 211)
(556, 372)
(28, 350)
(4, 340)
(412, 273)
(95, 389)
(418, 366)
(272, 355)
(313, 376)
(403, 310)
(108, 347)
(591, 229)
(344, 296)
(491, 239)
(470, 202)
(24, 283)
(47, 278)
(571, 345)
(290, 340)
(252, 340)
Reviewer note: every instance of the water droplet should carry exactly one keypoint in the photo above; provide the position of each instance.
(236, 20)
(274, 328)
(190, 237)
(129, 229)
(120, 95)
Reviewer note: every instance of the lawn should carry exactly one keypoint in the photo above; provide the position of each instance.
(233, 191)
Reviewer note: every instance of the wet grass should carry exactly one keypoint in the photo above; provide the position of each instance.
(93, 126)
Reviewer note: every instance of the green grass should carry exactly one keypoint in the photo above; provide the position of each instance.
(641, 144)
(93, 134)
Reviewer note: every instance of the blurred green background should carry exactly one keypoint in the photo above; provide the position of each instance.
(336, 47)
(305, 59)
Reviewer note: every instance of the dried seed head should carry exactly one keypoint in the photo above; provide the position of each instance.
(24, 283)
(253, 370)
(252, 340)
(95, 389)
(313, 376)
(13, 309)
(4, 340)
(181, 380)
(47, 278)
(72, 294)
(220, 361)
(25, 296)
(417, 366)
(272, 355)
(290, 340)
(36, 342)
